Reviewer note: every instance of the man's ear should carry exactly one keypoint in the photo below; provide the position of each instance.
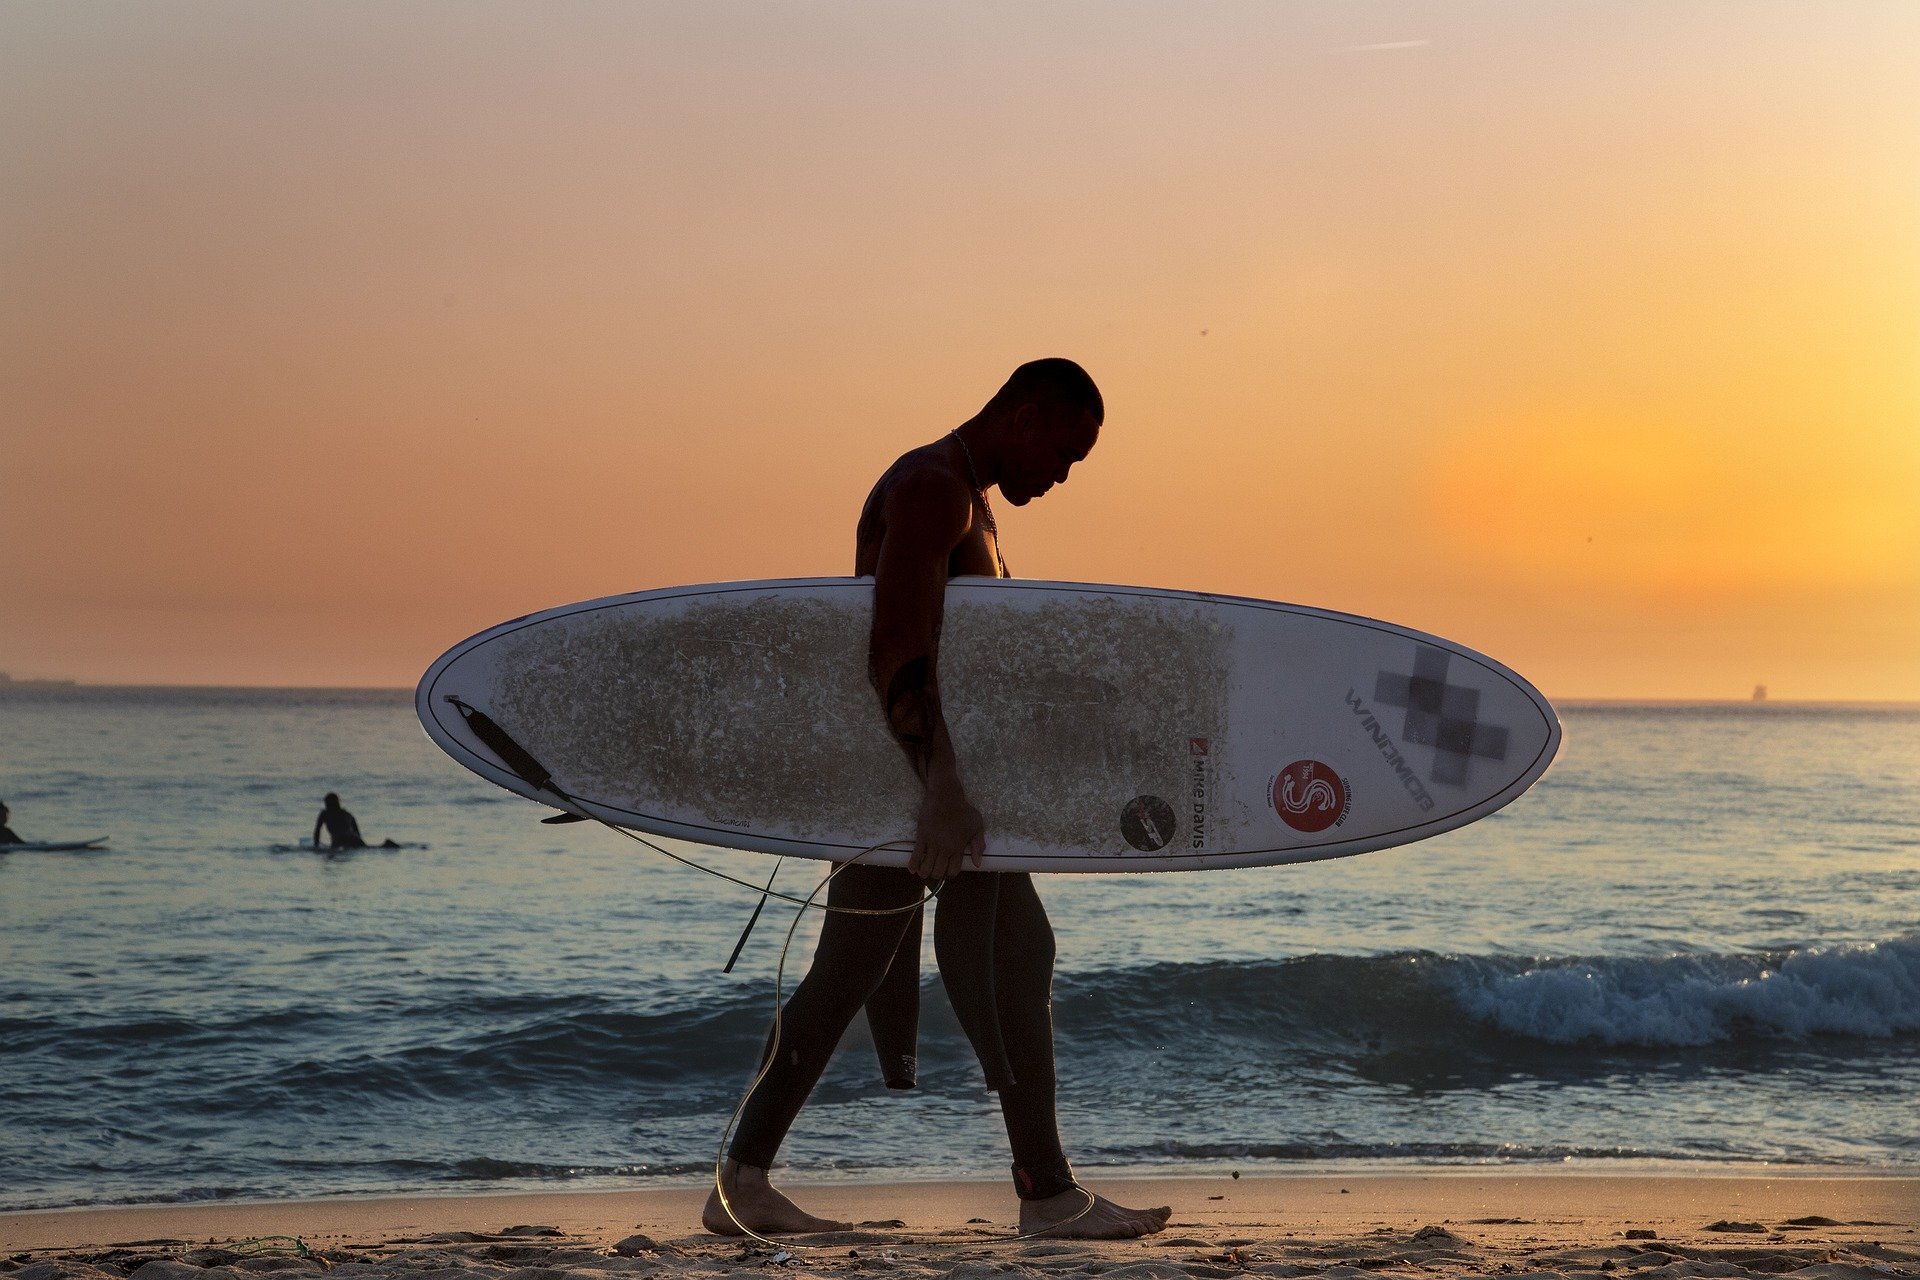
(1023, 417)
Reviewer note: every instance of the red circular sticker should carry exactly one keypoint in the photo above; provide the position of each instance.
(1309, 796)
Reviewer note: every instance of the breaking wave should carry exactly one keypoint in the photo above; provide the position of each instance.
(1871, 991)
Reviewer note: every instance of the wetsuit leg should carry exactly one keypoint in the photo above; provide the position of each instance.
(849, 964)
(964, 928)
(893, 1012)
(995, 948)
(1023, 979)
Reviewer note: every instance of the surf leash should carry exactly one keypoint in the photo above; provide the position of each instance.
(271, 1244)
(752, 920)
(536, 775)
(522, 763)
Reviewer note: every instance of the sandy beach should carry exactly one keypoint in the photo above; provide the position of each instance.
(1448, 1224)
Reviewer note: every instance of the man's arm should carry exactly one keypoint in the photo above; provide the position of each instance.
(928, 512)
(317, 823)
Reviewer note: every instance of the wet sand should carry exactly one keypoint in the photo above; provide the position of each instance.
(1450, 1224)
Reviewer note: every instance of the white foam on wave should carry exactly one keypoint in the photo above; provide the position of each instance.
(1867, 990)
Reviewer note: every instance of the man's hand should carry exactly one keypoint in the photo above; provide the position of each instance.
(951, 831)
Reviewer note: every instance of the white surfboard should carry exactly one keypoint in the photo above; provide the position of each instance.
(54, 846)
(1098, 728)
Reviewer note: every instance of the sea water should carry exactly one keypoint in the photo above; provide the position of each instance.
(1695, 942)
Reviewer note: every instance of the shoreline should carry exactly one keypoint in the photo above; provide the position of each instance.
(1678, 1170)
(1498, 1209)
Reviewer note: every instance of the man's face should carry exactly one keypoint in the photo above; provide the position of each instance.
(1046, 451)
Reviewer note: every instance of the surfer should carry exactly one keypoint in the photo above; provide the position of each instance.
(343, 830)
(927, 520)
(7, 835)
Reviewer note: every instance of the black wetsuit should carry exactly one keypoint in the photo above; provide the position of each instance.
(7, 836)
(995, 951)
(343, 832)
(994, 946)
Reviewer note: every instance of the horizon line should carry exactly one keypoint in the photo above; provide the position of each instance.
(41, 683)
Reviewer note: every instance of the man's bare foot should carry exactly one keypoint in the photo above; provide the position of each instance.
(758, 1207)
(1104, 1221)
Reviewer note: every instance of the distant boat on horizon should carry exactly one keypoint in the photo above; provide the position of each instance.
(6, 679)
(1759, 693)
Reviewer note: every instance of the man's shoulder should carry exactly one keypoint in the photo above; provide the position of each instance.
(924, 475)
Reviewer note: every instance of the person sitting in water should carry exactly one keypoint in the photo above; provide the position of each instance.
(343, 831)
(7, 834)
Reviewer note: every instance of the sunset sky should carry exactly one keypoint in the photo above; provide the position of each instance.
(1585, 334)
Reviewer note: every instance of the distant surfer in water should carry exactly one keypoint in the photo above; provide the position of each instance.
(927, 520)
(343, 831)
(7, 834)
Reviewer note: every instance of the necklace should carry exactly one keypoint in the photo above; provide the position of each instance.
(986, 508)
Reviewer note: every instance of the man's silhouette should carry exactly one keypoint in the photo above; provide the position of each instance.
(927, 520)
(7, 834)
(343, 831)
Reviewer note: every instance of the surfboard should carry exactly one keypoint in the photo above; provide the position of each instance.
(305, 846)
(53, 846)
(1099, 728)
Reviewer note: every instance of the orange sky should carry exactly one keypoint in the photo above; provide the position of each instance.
(1585, 334)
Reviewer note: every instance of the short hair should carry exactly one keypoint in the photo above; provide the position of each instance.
(1054, 381)
(330, 798)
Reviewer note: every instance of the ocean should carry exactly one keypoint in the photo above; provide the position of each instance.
(1694, 944)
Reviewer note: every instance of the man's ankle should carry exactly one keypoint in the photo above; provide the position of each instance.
(738, 1174)
(1043, 1181)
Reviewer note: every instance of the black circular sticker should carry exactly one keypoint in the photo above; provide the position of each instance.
(1147, 822)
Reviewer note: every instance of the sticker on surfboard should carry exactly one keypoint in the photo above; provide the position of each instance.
(1148, 823)
(1309, 796)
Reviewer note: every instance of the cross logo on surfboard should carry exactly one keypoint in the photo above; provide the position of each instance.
(1441, 715)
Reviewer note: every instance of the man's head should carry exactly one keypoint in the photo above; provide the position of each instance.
(332, 801)
(1051, 413)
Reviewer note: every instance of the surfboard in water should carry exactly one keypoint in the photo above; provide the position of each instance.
(55, 846)
(1098, 728)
